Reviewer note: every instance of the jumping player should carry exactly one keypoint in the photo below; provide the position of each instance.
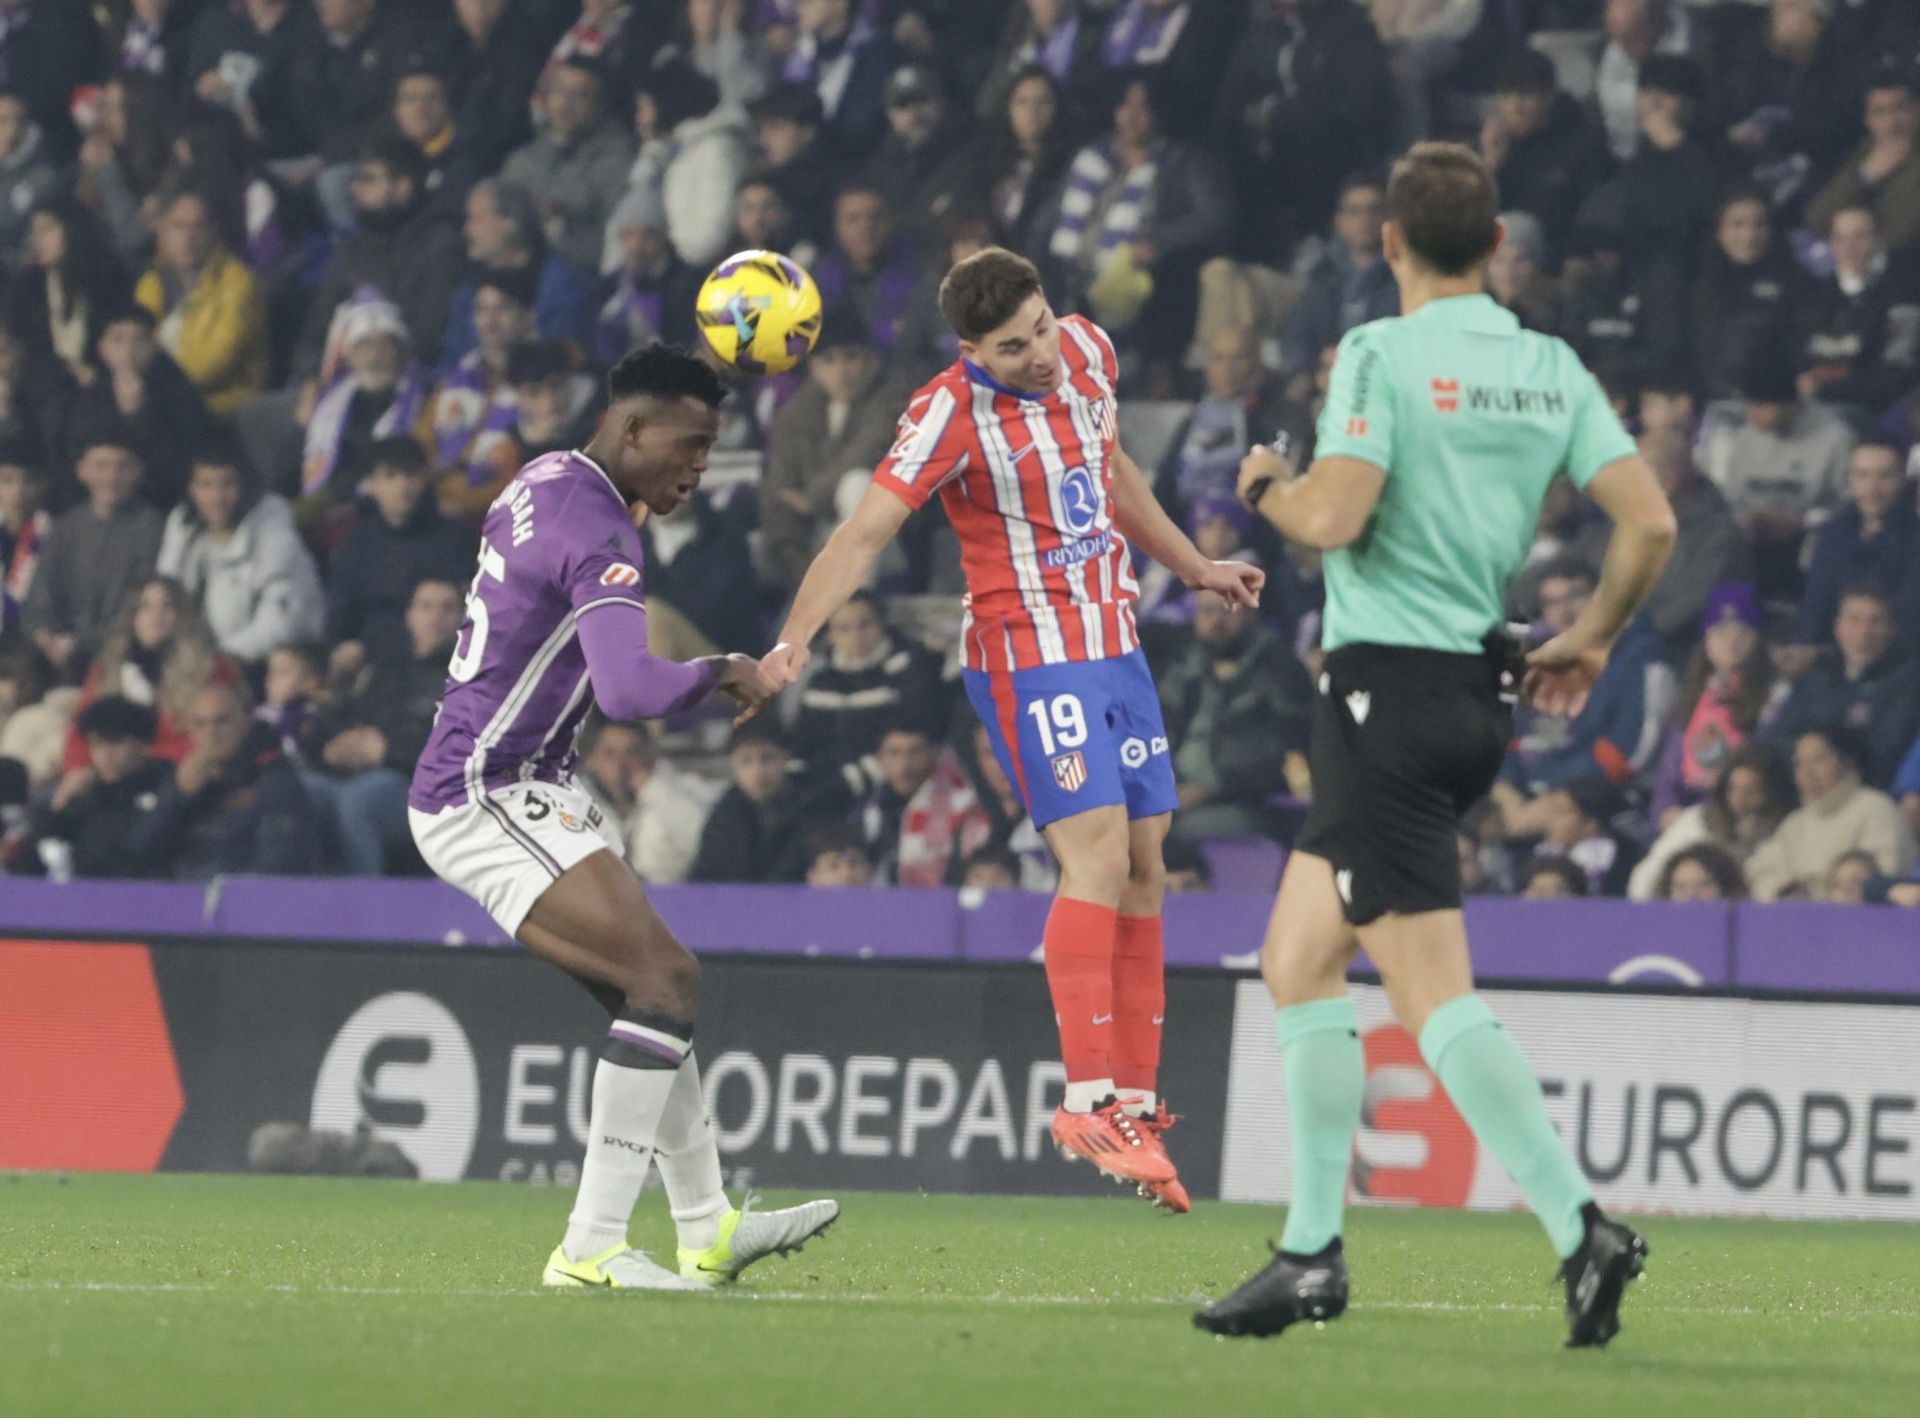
(1019, 439)
(1442, 430)
(556, 619)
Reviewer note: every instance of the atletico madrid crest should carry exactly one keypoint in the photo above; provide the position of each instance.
(1070, 771)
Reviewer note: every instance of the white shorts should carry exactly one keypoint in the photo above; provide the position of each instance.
(508, 847)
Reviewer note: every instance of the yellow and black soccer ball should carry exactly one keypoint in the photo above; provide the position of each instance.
(760, 312)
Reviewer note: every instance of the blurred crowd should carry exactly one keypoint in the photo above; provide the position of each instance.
(289, 288)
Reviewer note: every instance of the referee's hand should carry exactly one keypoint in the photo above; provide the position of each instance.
(1561, 674)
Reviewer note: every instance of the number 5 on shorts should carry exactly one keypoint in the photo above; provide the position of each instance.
(1061, 721)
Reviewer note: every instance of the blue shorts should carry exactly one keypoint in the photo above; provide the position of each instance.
(1079, 736)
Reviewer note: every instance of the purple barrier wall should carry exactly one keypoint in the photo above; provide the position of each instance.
(102, 907)
(801, 920)
(1666, 943)
(1799, 945)
(1200, 930)
(327, 908)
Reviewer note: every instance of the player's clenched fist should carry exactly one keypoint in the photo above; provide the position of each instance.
(781, 666)
(1238, 582)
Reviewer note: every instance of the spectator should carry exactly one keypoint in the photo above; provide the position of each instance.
(27, 178)
(1750, 798)
(658, 809)
(756, 830)
(1906, 787)
(405, 249)
(1862, 325)
(235, 550)
(158, 652)
(1787, 99)
(1710, 550)
(1663, 195)
(575, 169)
(654, 293)
(1639, 33)
(212, 310)
(256, 61)
(234, 803)
(296, 685)
(372, 740)
(212, 156)
(1009, 828)
(1616, 732)
(1177, 41)
(693, 153)
(86, 828)
(24, 525)
(473, 414)
(148, 398)
(555, 397)
(1837, 815)
(1424, 41)
(1883, 173)
(503, 234)
(1569, 533)
(1873, 539)
(1701, 873)
(795, 159)
(1847, 879)
(1139, 214)
(377, 390)
(702, 591)
(1552, 879)
(1517, 274)
(493, 55)
(990, 869)
(1015, 164)
(1237, 705)
(839, 425)
(1866, 682)
(717, 41)
(763, 222)
(60, 300)
(34, 713)
(868, 271)
(1542, 149)
(920, 165)
(867, 682)
(927, 343)
(1729, 688)
(1053, 37)
(1577, 818)
(423, 114)
(1743, 299)
(94, 557)
(919, 819)
(1302, 97)
(365, 44)
(845, 61)
(122, 160)
(399, 540)
(1781, 462)
(836, 856)
(47, 52)
(1349, 284)
(1243, 405)
(604, 38)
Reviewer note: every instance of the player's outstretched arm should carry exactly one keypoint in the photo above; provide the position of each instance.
(837, 572)
(1144, 522)
(631, 682)
(1562, 672)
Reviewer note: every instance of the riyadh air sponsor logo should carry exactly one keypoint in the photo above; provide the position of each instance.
(1073, 553)
(401, 1067)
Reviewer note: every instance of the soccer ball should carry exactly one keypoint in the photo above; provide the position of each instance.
(760, 312)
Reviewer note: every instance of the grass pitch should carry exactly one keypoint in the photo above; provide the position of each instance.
(237, 1295)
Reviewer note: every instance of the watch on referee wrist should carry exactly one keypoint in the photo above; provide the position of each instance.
(1258, 489)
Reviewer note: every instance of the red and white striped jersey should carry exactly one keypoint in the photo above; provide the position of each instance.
(1027, 481)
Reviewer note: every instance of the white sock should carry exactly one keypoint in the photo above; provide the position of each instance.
(1086, 1095)
(689, 1162)
(1142, 1104)
(631, 1084)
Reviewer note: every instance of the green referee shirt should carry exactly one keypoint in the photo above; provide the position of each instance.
(1470, 417)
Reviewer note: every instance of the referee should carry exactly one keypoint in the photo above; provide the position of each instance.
(1442, 430)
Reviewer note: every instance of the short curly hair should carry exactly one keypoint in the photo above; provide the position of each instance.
(666, 372)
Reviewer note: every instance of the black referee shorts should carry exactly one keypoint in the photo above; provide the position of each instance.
(1404, 742)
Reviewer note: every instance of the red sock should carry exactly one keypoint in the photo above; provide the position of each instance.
(1079, 944)
(1139, 1002)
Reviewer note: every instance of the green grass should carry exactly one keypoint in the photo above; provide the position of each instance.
(137, 1296)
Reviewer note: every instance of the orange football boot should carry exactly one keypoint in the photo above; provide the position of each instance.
(1115, 1143)
(1168, 1194)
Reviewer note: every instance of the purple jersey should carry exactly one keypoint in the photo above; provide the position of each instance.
(558, 542)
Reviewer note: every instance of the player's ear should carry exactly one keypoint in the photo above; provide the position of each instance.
(970, 351)
(1392, 245)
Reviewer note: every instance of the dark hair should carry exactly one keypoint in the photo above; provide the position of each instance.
(535, 361)
(825, 837)
(1180, 854)
(89, 266)
(789, 102)
(666, 372)
(519, 211)
(679, 92)
(763, 729)
(1735, 193)
(1885, 445)
(1865, 591)
(1848, 745)
(1527, 71)
(116, 720)
(310, 653)
(1566, 568)
(985, 291)
(1673, 74)
(905, 725)
(991, 856)
(399, 453)
(1715, 861)
(596, 729)
(131, 313)
(1446, 203)
(519, 283)
(1756, 685)
(143, 158)
(221, 449)
(398, 155)
(31, 671)
(1576, 880)
(1775, 784)
(216, 169)
(1366, 178)
(1891, 73)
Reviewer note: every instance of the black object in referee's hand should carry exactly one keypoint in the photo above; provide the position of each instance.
(1256, 491)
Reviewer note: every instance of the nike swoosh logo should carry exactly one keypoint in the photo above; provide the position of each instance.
(1103, 1019)
(1158, 1020)
(1022, 453)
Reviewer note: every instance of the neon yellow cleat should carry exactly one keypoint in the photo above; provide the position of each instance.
(621, 1268)
(747, 1235)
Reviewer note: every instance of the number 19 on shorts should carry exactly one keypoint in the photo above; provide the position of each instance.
(1061, 721)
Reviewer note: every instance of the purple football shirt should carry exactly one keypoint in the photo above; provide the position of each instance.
(558, 541)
